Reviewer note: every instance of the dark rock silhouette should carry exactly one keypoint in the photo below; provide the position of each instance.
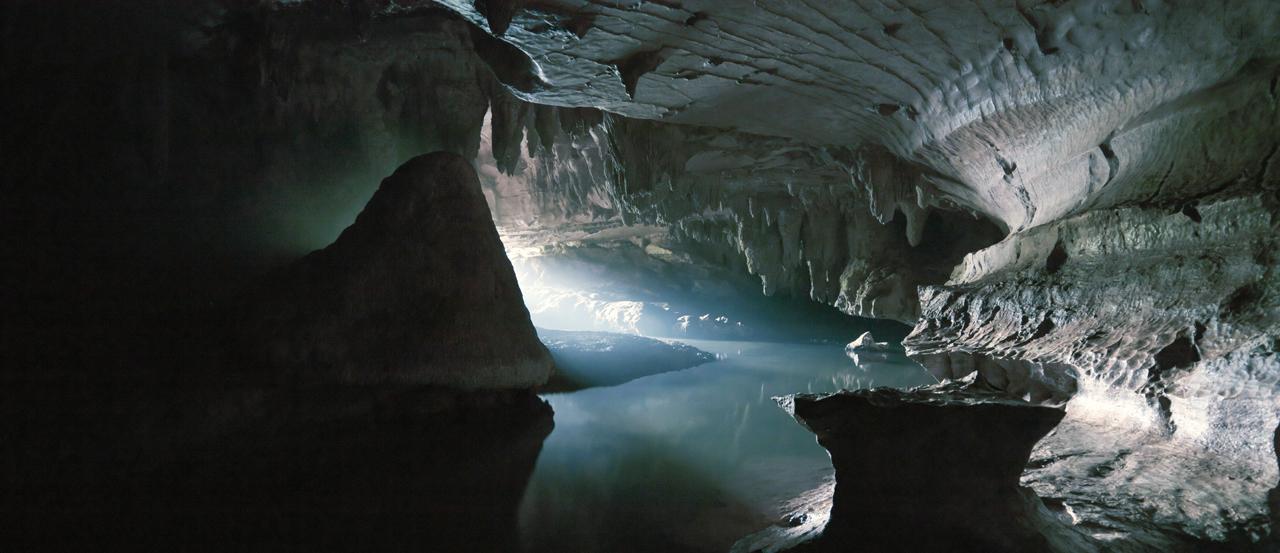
(932, 469)
(418, 290)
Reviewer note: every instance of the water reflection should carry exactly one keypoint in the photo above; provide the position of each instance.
(306, 469)
(689, 460)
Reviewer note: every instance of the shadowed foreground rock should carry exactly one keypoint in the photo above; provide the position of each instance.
(418, 290)
(931, 469)
(397, 416)
(337, 468)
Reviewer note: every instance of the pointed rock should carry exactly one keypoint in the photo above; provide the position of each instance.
(418, 290)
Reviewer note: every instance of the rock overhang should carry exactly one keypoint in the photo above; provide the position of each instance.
(1025, 113)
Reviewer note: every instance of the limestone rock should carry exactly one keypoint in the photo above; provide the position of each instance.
(418, 290)
(1160, 327)
(867, 350)
(934, 468)
(867, 343)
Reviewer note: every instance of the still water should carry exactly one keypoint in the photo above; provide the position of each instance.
(689, 460)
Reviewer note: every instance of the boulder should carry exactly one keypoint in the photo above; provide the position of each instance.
(418, 290)
(867, 350)
(934, 468)
(867, 342)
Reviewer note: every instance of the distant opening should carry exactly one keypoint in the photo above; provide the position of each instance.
(664, 393)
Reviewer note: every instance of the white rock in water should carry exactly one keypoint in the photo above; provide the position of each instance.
(867, 342)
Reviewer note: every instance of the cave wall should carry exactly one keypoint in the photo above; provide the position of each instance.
(805, 220)
(1159, 325)
(218, 129)
(160, 156)
(1025, 112)
(1109, 167)
(1119, 158)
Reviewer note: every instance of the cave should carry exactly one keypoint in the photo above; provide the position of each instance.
(652, 276)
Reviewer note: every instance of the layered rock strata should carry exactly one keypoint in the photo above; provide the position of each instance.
(1159, 324)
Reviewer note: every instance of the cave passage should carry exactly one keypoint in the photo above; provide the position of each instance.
(667, 435)
(689, 460)
(522, 276)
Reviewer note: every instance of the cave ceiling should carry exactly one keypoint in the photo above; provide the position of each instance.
(1023, 111)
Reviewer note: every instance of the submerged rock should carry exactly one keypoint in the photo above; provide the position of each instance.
(934, 468)
(418, 290)
(585, 359)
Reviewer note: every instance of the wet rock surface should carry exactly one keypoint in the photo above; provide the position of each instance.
(418, 290)
(930, 469)
(586, 359)
(867, 342)
(638, 280)
(866, 348)
(1158, 328)
(1109, 168)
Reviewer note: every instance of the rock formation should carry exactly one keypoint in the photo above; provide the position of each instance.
(932, 469)
(1034, 186)
(1075, 200)
(865, 348)
(418, 290)
(867, 342)
(625, 279)
(587, 359)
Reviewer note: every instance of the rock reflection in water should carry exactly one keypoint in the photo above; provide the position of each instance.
(331, 470)
(689, 460)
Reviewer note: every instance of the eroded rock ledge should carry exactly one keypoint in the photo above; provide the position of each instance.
(1159, 325)
(931, 469)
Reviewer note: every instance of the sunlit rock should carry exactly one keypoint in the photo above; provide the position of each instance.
(1158, 329)
(865, 348)
(417, 290)
(625, 279)
(867, 342)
